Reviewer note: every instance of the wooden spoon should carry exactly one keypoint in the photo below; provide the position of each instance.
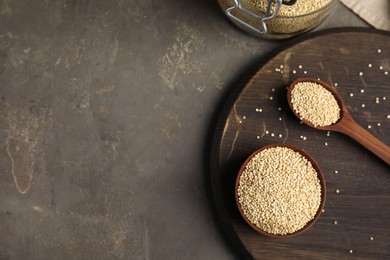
(345, 124)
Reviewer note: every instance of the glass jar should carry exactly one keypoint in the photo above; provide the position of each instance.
(277, 19)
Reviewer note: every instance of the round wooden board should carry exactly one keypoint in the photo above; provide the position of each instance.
(357, 63)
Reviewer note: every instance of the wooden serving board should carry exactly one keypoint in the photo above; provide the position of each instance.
(357, 63)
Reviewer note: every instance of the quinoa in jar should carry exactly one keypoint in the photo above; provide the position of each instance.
(276, 19)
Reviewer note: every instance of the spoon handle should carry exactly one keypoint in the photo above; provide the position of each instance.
(349, 127)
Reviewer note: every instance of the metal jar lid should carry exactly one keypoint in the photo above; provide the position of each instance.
(272, 10)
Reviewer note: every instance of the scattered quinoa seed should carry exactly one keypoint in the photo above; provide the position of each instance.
(363, 105)
(351, 94)
(279, 190)
(371, 238)
(314, 103)
(335, 222)
(360, 73)
(370, 65)
(379, 50)
(336, 171)
(337, 191)
(362, 91)
(350, 251)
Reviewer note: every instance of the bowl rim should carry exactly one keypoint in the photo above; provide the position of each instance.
(319, 175)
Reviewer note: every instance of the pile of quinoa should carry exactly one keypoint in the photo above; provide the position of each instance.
(314, 103)
(279, 190)
(301, 7)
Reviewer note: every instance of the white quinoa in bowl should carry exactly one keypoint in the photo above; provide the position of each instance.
(279, 191)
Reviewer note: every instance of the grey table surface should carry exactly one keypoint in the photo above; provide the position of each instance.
(105, 114)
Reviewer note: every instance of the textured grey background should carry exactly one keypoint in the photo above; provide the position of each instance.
(105, 111)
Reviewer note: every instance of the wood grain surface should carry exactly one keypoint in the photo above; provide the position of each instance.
(356, 220)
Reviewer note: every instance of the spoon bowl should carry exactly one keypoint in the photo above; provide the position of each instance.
(345, 124)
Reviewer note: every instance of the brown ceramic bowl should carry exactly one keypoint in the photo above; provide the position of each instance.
(322, 184)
